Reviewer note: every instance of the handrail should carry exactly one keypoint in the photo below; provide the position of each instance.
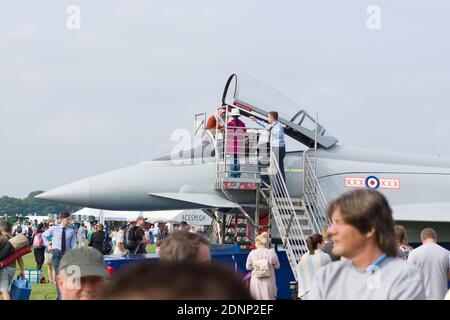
(315, 201)
(285, 216)
(246, 147)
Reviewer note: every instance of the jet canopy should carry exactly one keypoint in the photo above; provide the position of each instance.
(256, 99)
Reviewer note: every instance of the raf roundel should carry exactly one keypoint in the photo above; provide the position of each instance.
(372, 182)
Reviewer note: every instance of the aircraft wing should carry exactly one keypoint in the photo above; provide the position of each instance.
(431, 212)
(207, 200)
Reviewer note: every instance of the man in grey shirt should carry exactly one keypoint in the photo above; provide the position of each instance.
(363, 234)
(434, 261)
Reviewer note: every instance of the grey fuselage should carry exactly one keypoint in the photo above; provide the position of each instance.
(421, 199)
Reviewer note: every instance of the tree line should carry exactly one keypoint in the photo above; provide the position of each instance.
(31, 205)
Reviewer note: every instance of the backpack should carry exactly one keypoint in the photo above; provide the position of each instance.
(131, 240)
(29, 232)
(262, 267)
(106, 245)
(38, 242)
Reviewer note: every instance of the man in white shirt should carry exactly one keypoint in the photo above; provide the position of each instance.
(277, 141)
(434, 261)
(363, 233)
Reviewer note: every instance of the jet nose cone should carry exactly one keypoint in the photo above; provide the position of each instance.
(76, 193)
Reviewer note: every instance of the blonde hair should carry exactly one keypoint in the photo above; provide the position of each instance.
(262, 240)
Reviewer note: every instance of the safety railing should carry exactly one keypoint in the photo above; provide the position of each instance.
(315, 202)
(241, 153)
(285, 217)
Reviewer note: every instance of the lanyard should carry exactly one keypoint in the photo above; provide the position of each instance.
(377, 262)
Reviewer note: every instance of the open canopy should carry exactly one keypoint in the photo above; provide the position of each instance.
(256, 99)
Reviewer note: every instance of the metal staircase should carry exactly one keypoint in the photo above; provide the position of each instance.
(290, 217)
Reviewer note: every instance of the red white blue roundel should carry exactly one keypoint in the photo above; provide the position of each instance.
(372, 182)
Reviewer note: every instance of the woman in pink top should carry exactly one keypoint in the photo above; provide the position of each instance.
(235, 141)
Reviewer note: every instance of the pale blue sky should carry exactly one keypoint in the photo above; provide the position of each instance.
(77, 103)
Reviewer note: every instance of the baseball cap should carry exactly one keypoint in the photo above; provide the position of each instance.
(89, 261)
(141, 218)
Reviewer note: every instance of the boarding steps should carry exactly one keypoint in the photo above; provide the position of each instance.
(290, 217)
(296, 219)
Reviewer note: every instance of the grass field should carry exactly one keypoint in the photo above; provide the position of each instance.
(39, 291)
(48, 291)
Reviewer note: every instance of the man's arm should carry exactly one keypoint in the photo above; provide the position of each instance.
(261, 123)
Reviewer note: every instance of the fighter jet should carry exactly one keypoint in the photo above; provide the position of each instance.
(417, 186)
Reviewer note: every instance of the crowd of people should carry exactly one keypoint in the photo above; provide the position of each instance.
(52, 240)
(362, 255)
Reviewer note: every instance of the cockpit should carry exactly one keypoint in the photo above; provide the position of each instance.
(254, 98)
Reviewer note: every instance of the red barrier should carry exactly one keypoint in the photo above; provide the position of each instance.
(19, 253)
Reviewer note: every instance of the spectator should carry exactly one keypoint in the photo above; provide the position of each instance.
(165, 231)
(160, 281)
(156, 232)
(310, 262)
(7, 273)
(39, 247)
(277, 140)
(328, 245)
(98, 238)
(90, 231)
(82, 274)
(216, 121)
(29, 233)
(48, 257)
(184, 226)
(119, 248)
(235, 142)
(113, 236)
(17, 228)
(402, 242)
(363, 234)
(136, 241)
(158, 246)
(263, 262)
(82, 235)
(151, 238)
(185, 247)
(48, 260)
(434, 261)
(63, 239)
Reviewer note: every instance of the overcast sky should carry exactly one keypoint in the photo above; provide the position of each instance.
(74, 103)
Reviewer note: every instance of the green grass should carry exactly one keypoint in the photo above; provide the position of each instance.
(41, 291)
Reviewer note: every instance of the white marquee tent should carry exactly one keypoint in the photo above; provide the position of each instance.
(192, 217)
